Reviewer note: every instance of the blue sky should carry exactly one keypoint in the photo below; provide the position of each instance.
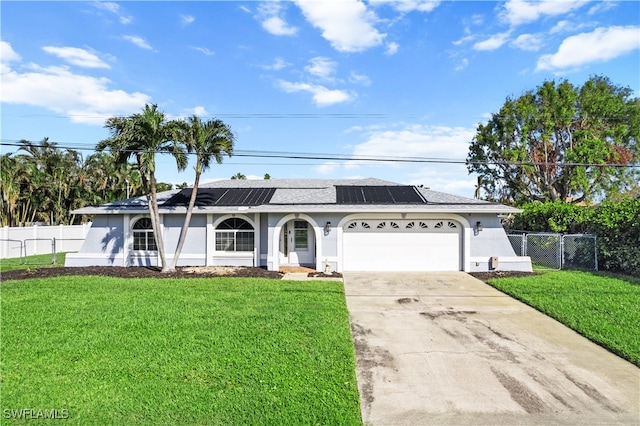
(347, 78)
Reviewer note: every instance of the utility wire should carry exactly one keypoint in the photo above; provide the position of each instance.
(374, 159)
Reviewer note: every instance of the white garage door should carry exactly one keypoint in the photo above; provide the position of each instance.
(402, 245)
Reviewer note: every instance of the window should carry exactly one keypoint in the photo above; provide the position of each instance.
(143, 238)
(234, 234)
(300, 235)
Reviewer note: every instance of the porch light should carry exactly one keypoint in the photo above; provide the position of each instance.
(327, 228)
(478, 226)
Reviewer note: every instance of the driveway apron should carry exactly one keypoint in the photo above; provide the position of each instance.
(448, 349)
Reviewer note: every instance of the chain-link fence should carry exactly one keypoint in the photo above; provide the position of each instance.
(557, 251)
(40, 251)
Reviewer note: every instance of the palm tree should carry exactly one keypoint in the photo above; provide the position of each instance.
(10, 179)
(52, 175)
(143, 136)
(238, 176)
(210, 141)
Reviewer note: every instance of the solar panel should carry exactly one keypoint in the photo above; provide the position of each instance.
(378, 195)
(246, 197)
(222, 197)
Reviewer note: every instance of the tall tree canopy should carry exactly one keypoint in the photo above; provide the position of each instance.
(209, 141)
(142, 136)
(559, 142)
(43, 182)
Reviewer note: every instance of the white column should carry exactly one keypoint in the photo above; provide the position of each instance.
(256, 232)
(210, 241)
(126, 238)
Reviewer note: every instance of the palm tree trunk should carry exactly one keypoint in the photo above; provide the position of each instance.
(155, 223)
(187, 221)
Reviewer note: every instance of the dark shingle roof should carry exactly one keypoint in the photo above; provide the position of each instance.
(286, 195)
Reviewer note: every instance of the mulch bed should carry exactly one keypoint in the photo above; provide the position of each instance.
(138, 272)
(152, 272)
(484, 276)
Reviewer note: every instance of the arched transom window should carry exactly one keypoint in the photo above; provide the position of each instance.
(234, 234)
(143, 238)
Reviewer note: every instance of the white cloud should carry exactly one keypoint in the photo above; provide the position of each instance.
(560, 27)
(392, 48)
(138, 41)
(322, 67)
(7, 54)
(204, 50)
(327, 168)
(187, 19)
(569, 26)
(270, 15)
(278, 26)
(321, 95)
(347, 24)
(108, 6)
(417, 141)
(200, 111)
(517, 12)
(530, 42)
(412, 141)
(462, 64)
(492, 43)
(409, 5)
(464, 39)
(76, 56)
(115, 9)
(82, 98)
(602, 6)
(600, 45)
(361, 79)
(450, 178)
(277, 65)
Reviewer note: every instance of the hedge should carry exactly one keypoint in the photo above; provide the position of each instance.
(617, 226)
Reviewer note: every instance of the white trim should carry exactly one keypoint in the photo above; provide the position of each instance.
(217, 254)
(210, 244)
(126, 230)
(256, 240)
(466, 231)
(135, 254)
(275, 239)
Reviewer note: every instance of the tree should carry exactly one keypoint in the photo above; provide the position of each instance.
(559, 142)
(238, 176)
(143, 136)
(52, 176)
(209, 141)
(267, 176)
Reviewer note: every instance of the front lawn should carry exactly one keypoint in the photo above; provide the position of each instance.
(604, 309)
(178, 351)
(36, 260)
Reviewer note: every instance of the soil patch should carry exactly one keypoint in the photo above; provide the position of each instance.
(140, 272)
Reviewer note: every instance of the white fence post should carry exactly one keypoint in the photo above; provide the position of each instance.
(15, 240)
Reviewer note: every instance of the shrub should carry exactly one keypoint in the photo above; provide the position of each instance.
(617, 225)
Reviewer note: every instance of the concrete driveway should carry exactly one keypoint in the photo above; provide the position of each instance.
(447, 349)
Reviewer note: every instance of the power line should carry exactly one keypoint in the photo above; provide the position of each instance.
(372, 159)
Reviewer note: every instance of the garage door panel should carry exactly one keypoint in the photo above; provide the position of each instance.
(401, 251)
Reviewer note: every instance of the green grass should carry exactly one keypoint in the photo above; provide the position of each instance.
(605, 309)
(194, 351)
(39, 260)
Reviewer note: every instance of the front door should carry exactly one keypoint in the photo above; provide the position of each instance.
(300, 243)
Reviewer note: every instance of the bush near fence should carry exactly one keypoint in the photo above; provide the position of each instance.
(617, 226)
